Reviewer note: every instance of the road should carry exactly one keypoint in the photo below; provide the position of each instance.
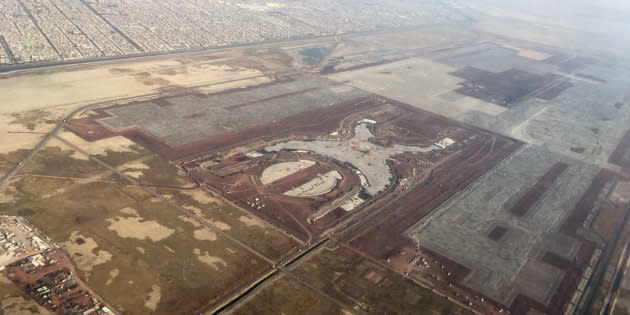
(310, 39)
(60, 125)
(282, 267)
(5, 180)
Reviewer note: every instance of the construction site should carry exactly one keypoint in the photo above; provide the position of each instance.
(429, 171)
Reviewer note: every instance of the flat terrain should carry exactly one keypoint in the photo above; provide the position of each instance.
(349, 277)
(115, 232)
(453, 168)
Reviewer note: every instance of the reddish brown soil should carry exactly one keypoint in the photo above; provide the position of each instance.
(509, 87)
(90, 130)
(288, 213)
(296, 179)
(66, 292)
(573, 269)
(309, 123)
(476, 150)
(523, 205)
(587, 202)
(384, 234)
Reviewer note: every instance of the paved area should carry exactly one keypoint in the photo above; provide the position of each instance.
(370, 159)
(503, 268)
(191, 117)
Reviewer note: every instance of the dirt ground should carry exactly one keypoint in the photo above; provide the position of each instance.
(350, 278)
(108, 81)
(105, 224)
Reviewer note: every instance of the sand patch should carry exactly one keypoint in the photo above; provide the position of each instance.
(153, 298)
(205, 235)
(213, 261)
(82, 252)
(219, 224)
(99, 147)
(133, 169)
(141, 250)
(21, 306)
(130, 211)
(134, 226)
(252, 81)
(113, 274)
(200, 233)
(187, 219)
(36, 120)
(133, 174)
(529, 53)
(251, 221)
(201, 196)
(14, 137)
(137, 165)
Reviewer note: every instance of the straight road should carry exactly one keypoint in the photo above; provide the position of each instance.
(282, 267)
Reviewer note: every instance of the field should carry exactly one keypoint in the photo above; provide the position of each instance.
(442, 170)
(111, 81)
(388, 157)
(350, 278)
(123, 239)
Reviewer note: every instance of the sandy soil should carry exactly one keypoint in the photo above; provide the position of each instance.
(419, 82)
(529, 53)
(82, 252)
(113, 274)
(201, 196)
(21, 306)
(117, 144)
(213, 261)
(200, 233)
(15, 136)
(133, 169)
(205, 234)
(252, 221)
(253, 81)
(189, 220)
(220, 225)
(153, 298)
(85, 84)
(134, 226)
(130, 211)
